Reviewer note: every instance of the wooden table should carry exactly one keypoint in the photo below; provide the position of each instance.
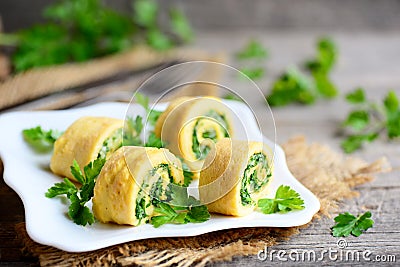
(370, 60)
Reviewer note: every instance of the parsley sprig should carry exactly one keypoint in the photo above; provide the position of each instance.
(294, 86)
(347, 223)
(39, 139)
(286, 199)
(254, 52)
(78, 211)
(369, 119)
(134, 127)
(182, 209)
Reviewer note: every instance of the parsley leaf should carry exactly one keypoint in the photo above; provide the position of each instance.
(369, 119)
(145, 12)
(391, 104)
(355, 141)
(347, 224)
(78, 211)
(253, 73)
(286, 199)
(182, 209)
(152, 115)
(154, 141)
(356, 97)
(80, 30)
(180, 25)
(39, 139)
(253, 49)
(292, 86)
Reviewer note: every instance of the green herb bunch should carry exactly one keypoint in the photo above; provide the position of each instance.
(79, 30)
(369, 119)
(295, 86)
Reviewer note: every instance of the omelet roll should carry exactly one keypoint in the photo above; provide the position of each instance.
(191, 125)
(87, 139)
(237, 175)
(132, 181)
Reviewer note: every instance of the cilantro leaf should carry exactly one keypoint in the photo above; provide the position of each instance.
(152, 115)
(356, 97)
(177, 215)
(326, 56)
(39, 139)
(142, 100)
(231, 96)
(347, 224)
(254, 49)
(133, 128)
(80, 30)
(78, 211)
(181, 209)
(286, 199)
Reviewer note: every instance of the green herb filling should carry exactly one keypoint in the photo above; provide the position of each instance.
(256, 175)
(201, 150)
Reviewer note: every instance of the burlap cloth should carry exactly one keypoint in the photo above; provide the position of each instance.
(329, 175)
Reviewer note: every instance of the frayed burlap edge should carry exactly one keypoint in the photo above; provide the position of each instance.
(312, 164)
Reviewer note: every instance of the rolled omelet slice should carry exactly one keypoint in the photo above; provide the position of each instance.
(191, 125)
(85, 140)
(132, 181)
(237, 175)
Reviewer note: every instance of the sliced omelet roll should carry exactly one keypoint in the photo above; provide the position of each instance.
(237, 175)
(191, 125)
(85, 140)
(132, 181)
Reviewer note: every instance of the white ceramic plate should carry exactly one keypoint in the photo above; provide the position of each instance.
(47, 221)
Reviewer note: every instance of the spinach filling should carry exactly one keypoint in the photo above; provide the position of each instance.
(201, 150)
(111, 144)
(256, 175)
(157, 191)
(140, 209)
